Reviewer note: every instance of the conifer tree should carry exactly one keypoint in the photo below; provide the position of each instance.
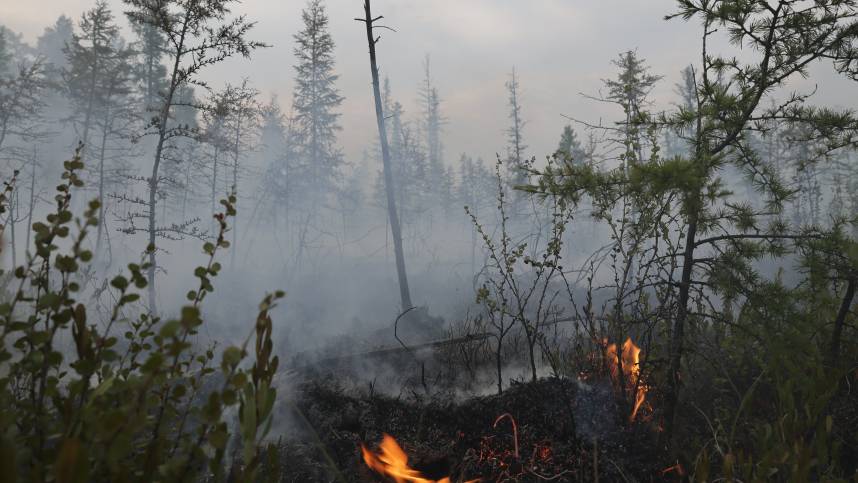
(630, 90)
(198, 34)
(720, 235)
(570, 146)
(22, 102)
(431, 124)
(149, 71)
(91, 54)
(516, 161)
(51, 46)
(315, 103)
(5, 53)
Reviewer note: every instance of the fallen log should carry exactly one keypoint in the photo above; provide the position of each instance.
(384, 352)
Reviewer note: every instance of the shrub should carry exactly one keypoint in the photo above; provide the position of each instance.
(129, 398)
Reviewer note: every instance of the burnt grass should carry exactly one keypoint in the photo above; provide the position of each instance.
(567, 431)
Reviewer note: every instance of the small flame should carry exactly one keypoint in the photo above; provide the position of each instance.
(631, 371)
(393, 462)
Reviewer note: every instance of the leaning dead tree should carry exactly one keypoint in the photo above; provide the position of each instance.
(371, 39)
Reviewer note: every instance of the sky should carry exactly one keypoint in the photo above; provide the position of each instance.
(559, 48)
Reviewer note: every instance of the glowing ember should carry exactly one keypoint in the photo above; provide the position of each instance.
(392, 461)
(631, 371)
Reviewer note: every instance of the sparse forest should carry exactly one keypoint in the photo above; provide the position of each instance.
(215, 267)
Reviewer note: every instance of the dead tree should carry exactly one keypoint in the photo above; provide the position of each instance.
(371, 39)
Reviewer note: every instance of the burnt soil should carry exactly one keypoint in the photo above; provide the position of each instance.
(567, 431)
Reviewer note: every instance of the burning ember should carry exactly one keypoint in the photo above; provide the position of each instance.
(393, 462)
(630, 362)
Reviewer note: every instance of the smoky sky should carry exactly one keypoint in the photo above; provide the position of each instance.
(559, 48)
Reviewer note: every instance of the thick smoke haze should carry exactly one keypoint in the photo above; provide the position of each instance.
(560, 48)
(534, 240)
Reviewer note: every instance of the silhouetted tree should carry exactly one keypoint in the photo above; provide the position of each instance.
(315, 103)
(198, 35)
(516, 162)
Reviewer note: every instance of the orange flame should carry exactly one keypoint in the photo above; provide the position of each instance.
(631, 371)
(393, 462)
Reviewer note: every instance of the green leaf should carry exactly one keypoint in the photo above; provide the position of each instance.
(231, 357)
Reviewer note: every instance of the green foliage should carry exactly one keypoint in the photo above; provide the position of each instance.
(518, 291)
(129, 398)
(777, 422)
(767, 352)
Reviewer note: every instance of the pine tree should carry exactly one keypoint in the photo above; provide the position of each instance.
(315, 103)
(89, 57)
(5, 54)
(570, 147)
(272, 155)
(431, 124)
(51, 45)
(516, 161)
(22, 102)
(149, 72)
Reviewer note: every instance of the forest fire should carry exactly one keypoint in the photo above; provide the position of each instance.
(393, 462)
(630, 363)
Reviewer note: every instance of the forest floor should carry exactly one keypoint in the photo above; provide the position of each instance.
(550, 430)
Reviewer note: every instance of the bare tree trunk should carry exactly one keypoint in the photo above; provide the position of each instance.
(100, 229)
(404, 293)
(235, 189)
(32, 200)
(839, 322)
(12, 209)
(214, 186)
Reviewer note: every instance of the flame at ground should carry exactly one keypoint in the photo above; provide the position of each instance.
(631, 371)
(392, 461)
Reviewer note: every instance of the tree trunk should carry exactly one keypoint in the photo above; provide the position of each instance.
(235, 190)
(100, 229)
(839, 322)
(32, 201)
(159, 151)
(12, 209)
(677, 336)
(214, 187)
(404, 293)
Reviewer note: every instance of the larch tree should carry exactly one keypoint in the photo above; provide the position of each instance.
(241, 124)
(717, 235)
(98, 80)
(630, 90)
(214, 134)
(276, 164)
(198, 34)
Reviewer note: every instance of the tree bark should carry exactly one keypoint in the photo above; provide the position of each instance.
(404, 293)
(839, 322)
(677, 336)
